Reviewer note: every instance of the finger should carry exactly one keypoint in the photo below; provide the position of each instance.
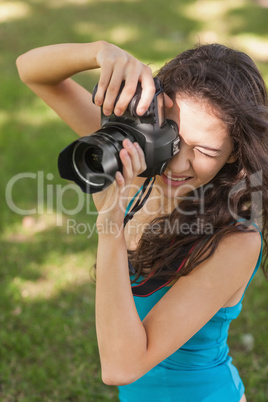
(112, 92)
(126, 95)
(141, 156)
(134, 157)
(133, 70)
(148, 91)
(119, 179)
(105, 78)
(127, 166)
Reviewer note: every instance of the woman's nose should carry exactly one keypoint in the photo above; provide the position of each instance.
(181, 162)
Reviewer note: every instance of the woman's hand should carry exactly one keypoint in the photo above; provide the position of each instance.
(111, 203)
(48, 71)
(116, 66)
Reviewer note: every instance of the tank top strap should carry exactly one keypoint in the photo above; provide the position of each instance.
(259, 259)
(260, 255)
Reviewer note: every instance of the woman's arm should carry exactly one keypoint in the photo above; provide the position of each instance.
(119, 328)
(128, 346)
(48, 71)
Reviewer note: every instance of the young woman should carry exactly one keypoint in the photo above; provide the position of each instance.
(194, 246)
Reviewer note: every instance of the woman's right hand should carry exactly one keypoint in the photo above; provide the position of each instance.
(116, 66)
(48, 71)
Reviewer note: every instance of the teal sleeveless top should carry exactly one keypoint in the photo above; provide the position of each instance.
(200, 371)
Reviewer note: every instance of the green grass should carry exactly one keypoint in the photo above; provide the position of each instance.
(47, 334)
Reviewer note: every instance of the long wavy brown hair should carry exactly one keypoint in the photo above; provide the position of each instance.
(231, 83)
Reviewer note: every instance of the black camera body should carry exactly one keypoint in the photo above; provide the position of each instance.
(92, 161)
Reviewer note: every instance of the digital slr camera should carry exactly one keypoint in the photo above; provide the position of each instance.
(92, 161)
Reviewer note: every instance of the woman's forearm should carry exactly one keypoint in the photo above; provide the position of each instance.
(121, 335)
(52, 64)
(47, 71)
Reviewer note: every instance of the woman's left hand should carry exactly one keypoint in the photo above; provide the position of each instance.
(111, 203)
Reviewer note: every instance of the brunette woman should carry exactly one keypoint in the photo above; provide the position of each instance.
(170, 283)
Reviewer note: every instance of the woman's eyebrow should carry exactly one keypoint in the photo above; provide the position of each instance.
(209, 148)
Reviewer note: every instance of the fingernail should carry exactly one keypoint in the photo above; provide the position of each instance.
(128, 142)
(141, 111)
(118, 176)
(124, 152)
(106, 112)
(118, 112)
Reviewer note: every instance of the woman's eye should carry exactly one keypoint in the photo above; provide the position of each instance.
(203, 153)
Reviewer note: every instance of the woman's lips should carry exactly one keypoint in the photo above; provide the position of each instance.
(174, 181)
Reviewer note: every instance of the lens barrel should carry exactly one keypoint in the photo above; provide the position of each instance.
(95, 158)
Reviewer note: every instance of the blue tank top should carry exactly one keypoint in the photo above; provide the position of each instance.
(200, 371)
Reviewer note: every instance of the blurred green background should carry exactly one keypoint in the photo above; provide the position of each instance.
(48, 349)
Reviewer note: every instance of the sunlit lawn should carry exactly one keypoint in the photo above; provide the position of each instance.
(47, 335)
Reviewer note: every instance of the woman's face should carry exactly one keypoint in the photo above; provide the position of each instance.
(205, 147)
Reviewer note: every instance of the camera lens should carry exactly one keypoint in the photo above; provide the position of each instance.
(87, 162)
(93, 159)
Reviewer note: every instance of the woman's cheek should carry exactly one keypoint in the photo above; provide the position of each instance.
(206, 171)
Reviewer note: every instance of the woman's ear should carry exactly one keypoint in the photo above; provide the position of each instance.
(232, 158)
